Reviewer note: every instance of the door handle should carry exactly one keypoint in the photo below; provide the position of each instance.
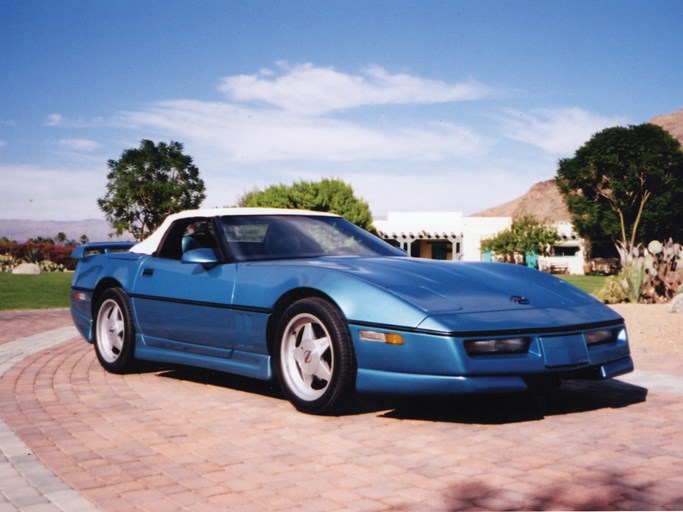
(147, 272)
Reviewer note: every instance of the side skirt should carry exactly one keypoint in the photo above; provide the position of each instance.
(247, 364)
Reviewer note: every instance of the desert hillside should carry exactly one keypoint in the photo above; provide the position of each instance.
(543, 201)
(673, 123)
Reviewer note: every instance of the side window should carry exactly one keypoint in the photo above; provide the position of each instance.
(246, 237)
(188, 234)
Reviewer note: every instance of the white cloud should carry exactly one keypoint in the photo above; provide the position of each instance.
(558, 131)
(58, 120)
(79, 144)
(278, 126)
(293, 118)
(310, 90)
(2, 143)
(54, 120)
(262, 135)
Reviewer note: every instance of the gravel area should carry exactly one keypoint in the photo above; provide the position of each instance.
(653, 327)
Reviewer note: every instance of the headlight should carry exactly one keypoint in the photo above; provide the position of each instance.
(603, 336)
(498, 346)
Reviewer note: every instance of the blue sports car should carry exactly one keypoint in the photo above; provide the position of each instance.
(328, 309)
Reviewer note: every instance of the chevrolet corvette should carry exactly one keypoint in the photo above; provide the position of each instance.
(330, 311)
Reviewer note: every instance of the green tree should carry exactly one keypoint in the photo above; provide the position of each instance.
(526, 235)
(147, 184)
(625, 185)
(327, 195)
(42, 240)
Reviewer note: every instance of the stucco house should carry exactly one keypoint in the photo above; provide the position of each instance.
(450, 236)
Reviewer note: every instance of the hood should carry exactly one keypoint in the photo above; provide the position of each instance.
(458, 297)
(462, 297)
(449, 287)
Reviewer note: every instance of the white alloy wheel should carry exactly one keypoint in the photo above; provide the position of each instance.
(307, 357)
(111, 331)
(313, 356)
(114, 331)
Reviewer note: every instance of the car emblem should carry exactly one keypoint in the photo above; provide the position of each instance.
(518, 299)
(307, 357)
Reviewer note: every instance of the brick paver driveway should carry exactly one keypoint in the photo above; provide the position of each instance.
(165, 439)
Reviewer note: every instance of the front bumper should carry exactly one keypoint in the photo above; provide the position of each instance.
(427, 363)
(377, 381)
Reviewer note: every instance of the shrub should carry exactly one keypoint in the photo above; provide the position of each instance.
(613, 291)
(50, 256)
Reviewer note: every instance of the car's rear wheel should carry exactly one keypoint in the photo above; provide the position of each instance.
(114, 332)
(314, 359)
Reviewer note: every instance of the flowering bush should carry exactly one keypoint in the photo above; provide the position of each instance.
(50, 256)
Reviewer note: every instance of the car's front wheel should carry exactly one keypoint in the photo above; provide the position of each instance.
(114, 331)
(314, 359)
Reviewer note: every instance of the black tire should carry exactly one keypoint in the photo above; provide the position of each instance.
(313, 356)
(114, 331)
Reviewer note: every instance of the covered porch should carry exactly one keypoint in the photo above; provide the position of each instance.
(431, 235)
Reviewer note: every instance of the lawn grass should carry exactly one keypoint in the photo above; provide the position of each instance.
(589, 284)
(42, 291)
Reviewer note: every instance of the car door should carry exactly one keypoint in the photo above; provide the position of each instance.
(186, 306)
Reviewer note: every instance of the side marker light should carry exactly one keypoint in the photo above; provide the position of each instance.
(382, 337)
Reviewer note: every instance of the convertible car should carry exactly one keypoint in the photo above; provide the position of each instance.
(330, 310)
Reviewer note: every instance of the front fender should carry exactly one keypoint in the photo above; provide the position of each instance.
(260, 285)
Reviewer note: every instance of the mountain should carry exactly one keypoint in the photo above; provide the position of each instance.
(97, 230)
(543, 201)
(672, 123)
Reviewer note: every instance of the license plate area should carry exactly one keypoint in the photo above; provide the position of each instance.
(566, 350)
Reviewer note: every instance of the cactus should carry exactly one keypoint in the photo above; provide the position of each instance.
(664, 276)
(651, 274)
(632, 271)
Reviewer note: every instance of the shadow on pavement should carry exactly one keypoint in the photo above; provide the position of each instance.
(569, 398)
(221, 379)
(572, 397)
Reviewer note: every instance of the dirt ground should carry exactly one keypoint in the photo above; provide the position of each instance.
(653, 326)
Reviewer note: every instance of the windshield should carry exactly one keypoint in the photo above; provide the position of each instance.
(262, 237)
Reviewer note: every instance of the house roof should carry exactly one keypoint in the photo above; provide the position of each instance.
(420, 225)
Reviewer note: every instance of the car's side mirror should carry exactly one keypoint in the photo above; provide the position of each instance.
(205, 257)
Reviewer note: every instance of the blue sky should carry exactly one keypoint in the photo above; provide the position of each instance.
(419, 105)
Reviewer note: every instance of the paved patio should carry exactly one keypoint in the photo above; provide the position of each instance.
(73, 437)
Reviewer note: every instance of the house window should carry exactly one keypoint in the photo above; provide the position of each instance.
(565, 251)
(440, 250)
